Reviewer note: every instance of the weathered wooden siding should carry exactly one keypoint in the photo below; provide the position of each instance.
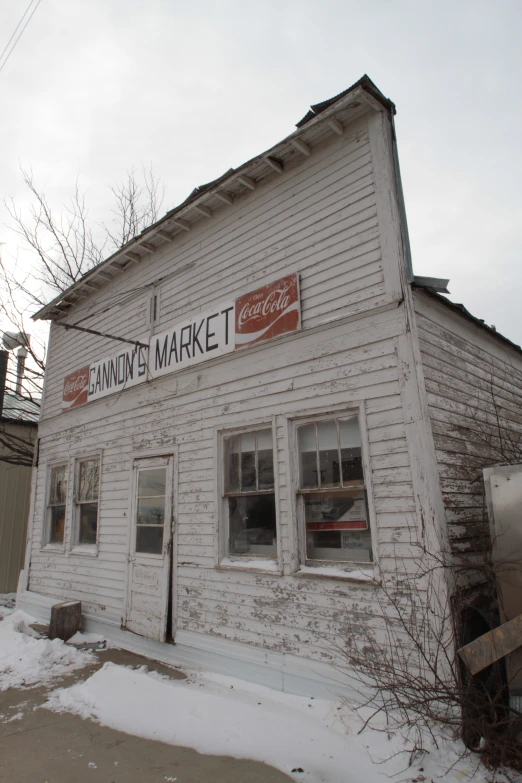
(320, 218)
(474, 388)
(327, 218)
(321, 370)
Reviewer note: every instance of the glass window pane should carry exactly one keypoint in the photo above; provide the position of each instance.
(265, 459)
(149, 540)
(337, 527)
(307, 455)
(252, 525)
(151, 511)
(352, 466)
(350, 438)
(56, 524)
(151, 483)
(264, 440)
(88, 523)
(232, 464)
(328, 453)
(58, 488)
(89, 477)
(248, 462)
(349, 433)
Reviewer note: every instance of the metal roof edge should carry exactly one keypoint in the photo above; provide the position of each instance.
(22, 422)
(459, 309)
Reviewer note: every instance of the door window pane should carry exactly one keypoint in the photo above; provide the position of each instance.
(151, 483)
(252, 525)
(151, 511)
(149, 540)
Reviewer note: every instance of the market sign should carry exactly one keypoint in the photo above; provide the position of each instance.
(195, 340)
(260, 315)
(125, 369)
(121, 371)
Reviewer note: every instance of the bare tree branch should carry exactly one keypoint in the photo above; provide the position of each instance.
(65, 245)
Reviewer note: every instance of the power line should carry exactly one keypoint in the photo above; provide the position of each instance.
(9, 53)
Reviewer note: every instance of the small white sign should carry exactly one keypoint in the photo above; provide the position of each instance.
(195, 340)
(353, 540)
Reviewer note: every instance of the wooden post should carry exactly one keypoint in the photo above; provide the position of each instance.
(66, 620)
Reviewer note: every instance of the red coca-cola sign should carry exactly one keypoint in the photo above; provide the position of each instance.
(75, 388)
(268, 312)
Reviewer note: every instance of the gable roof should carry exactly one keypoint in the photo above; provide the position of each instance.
(322, 120)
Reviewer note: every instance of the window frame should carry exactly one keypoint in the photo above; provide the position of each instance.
(78, 548)
(247, 561)
(46, 527)
(152, 462)
(305, 563)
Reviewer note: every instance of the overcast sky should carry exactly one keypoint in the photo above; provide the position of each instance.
(97, 87)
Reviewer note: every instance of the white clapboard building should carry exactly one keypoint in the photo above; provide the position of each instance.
(254, 409)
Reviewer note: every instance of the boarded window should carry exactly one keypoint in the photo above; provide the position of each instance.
(57, 504)
(150, 510)
(332, 491)
(249, 493)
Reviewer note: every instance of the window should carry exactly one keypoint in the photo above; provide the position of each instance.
(56, 505)
(249, 494)
(88, 484)
(150, 510)
(332, 491)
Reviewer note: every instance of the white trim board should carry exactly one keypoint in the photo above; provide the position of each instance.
(280, 671)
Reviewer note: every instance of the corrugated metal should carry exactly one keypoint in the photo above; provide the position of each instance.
(19, 408)
(15, 487)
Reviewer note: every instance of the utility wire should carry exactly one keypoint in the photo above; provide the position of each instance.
(9, 53)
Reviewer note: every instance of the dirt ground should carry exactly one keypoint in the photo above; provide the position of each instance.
(47, 747)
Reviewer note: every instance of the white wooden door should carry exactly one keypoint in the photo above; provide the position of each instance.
(149, 572)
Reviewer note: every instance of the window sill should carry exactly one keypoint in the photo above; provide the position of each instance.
(59, 549)
(259, 565)
(87, 550)
(348, 574)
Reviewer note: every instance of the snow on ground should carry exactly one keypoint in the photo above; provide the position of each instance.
(26, 660)
(315, 740)
(311, 740)
(7, 603)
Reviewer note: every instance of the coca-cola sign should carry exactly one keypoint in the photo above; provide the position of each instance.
(75, 388)
(268, 312)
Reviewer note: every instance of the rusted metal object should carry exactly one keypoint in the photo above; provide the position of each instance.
(492, 646)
